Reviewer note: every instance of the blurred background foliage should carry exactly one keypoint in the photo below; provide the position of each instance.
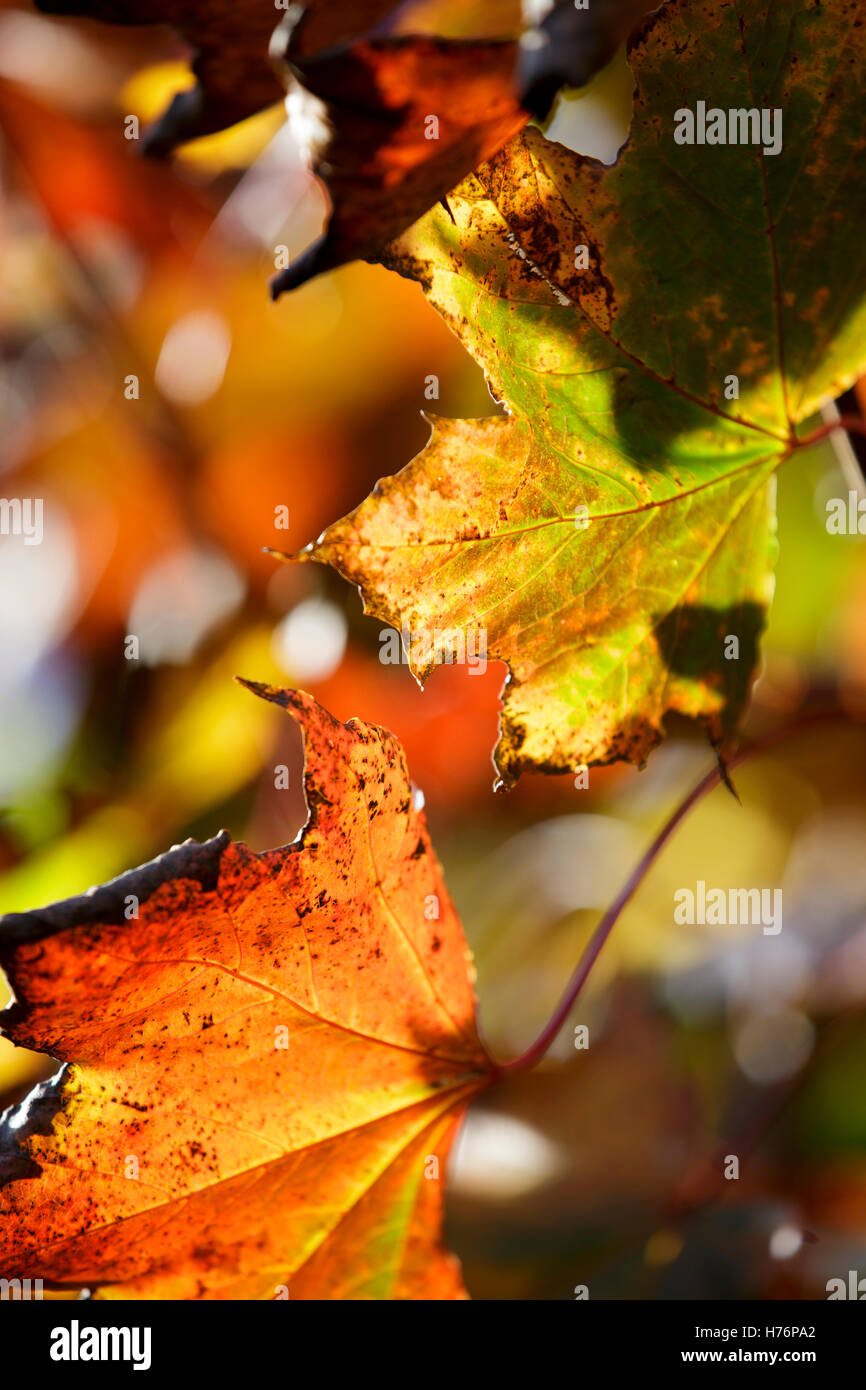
(605, 1166)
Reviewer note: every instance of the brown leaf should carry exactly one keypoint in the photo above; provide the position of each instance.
(408, 98)
(408, 117)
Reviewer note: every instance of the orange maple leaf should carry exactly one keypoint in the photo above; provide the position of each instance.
(265, 1057)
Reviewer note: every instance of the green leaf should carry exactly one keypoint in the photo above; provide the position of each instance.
(704, 262)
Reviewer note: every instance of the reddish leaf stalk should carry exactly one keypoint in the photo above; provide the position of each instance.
(852, 423)
(591, 952)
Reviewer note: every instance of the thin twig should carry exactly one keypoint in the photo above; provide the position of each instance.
(593, 947)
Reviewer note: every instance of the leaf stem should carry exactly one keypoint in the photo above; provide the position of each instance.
(852, 423)
(592, 950)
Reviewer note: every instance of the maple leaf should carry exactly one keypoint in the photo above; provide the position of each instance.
(407, 114)
(368, 77)
(263, 1056)
(617, 527)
